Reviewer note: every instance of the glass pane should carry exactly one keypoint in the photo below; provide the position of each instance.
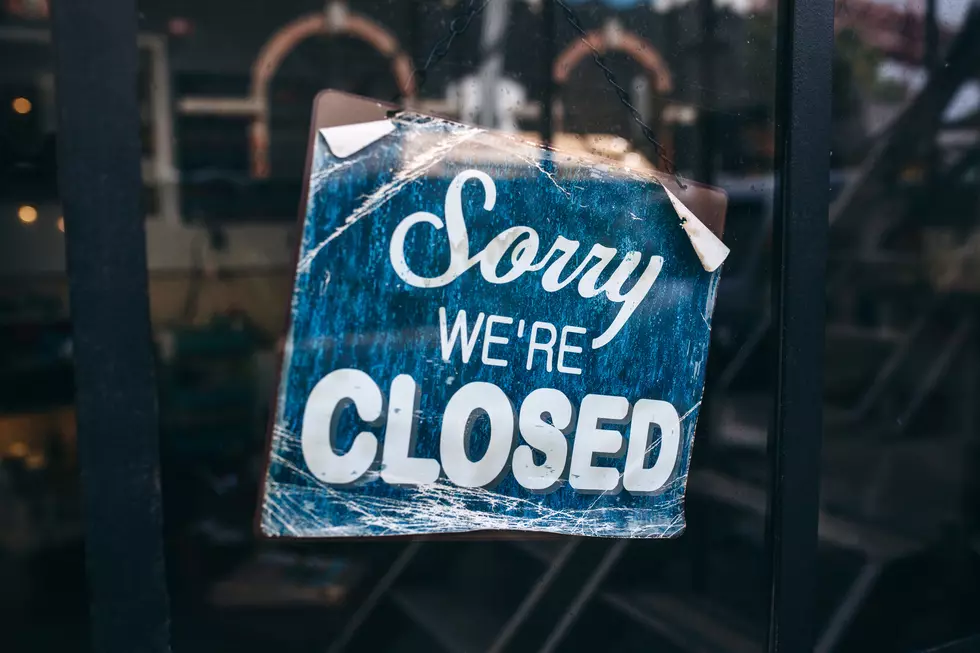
(900, 566)
(42, 583)
(228, 93)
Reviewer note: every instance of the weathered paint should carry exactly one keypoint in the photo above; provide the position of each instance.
(350, 309)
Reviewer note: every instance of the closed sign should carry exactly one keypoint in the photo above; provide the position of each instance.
(487, 336)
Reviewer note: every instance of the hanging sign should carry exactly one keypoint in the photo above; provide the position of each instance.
(487, 335)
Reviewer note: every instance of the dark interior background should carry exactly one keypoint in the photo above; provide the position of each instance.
(900, 501)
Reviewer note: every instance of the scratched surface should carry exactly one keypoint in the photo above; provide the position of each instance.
(350, 310)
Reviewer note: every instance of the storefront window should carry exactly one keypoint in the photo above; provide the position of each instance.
(685, 88)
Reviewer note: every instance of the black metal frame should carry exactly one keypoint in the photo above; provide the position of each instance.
(805, 53)
(99, 154)
(99, 151)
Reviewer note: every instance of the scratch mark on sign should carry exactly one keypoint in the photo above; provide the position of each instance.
(546, 173)
(440, 507)
(688, 413)
(412, 171)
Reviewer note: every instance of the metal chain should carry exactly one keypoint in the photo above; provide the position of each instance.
(462, 22)
(621, 93)
(457, 27)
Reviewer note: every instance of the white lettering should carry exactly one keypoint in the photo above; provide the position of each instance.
(459, 244)
(525, 245)
(400, 468)
(490, 339)
(468, 340)
(545, 421)
(320, 422)
(631, 300)
(547, 438)
(546, 347)
(590, 440)
(646, 413)
(457, 427)
(565, 348)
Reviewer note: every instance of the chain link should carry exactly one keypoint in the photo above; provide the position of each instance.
(621, 93)
(457, 27)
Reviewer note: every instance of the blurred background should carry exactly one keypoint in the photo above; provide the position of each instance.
(225, 93)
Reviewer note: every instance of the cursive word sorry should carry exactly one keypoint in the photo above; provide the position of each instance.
(523, 257)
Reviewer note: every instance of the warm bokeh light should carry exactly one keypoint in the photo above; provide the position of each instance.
(27, 214)
(22, 105)
(61, 224)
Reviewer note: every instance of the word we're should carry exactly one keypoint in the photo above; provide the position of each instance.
(542, 340)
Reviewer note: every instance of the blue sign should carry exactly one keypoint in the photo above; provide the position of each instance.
(486, 335)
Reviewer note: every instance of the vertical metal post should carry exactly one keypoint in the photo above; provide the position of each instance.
(803, 114)
(96, 65)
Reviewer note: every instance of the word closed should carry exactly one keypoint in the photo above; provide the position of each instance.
(545, 419)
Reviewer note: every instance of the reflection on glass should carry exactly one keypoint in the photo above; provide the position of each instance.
(42, 591)
(225, 96)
